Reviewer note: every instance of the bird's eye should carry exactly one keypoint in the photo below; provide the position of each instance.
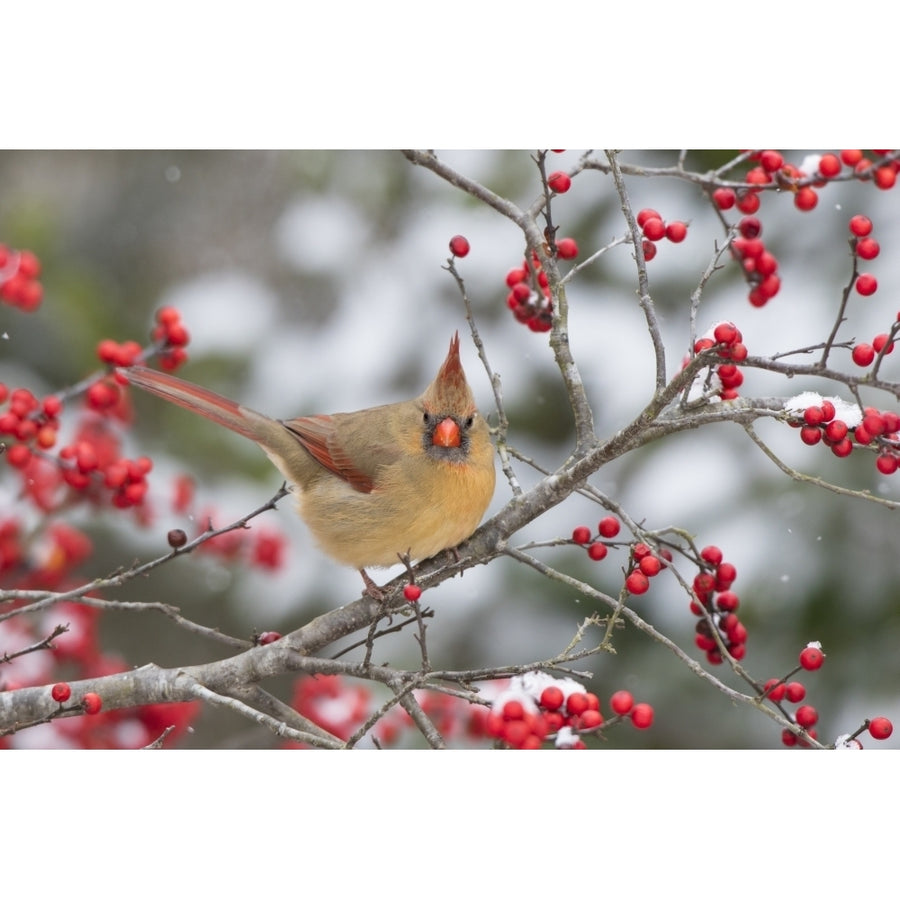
(470, 421)
(425, 418)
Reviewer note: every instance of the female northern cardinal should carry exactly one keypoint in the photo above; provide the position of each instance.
(405, 478)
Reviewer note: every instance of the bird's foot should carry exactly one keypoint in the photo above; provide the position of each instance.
(372, 590)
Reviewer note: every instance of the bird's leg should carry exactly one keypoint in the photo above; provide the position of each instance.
(372, 589)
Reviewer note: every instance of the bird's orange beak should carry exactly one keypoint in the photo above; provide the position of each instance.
(446, 434)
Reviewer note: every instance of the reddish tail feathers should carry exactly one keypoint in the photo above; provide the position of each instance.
(193, 397)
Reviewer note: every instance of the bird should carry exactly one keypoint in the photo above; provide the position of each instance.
(397, 482)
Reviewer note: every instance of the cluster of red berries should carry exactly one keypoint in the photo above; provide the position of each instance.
(727, 339)
(819, 423)
(654, 229)
(78, 652)
(779, 690)
(91, 460)
(90, 702)
(865, 247)
(759, 264)
(332, 703)
(882, 174)
(864, 354)
(19, 273)
(529, 295)
(261, 547)
(643, 562)
(171, 337)
(715, 603)
(608, 528)
(29, 421)
(806, 716)
(537, 707)
(872, 428)
(772, 169)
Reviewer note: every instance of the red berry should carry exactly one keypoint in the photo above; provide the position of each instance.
(728, 601)
(725, 574)
(621, 702)
(589, 719)
(521, 292)
(866, 284)
(608, 527)
(567, 248)
(766, 264)
(597, 551)
(880, 728)
(769, 287)
(775, 690)
(725, 333)
(724, 198)
(807, 716)
(649, 249)
(887, 463)
(102, 395)
(576, 703)
(842, 448)
(813, 415)
(552, 698)
(559, 182)
(829, 165)
(269, 637)
(867, 248)
(91, 704)
(581, 534)
(771, 160)
(711, 554)
(640, 551)
(676, 232)
(412, 592)
(873, 423)
(642, 715)
(513, 710)
(750, 227)
(61, 692)
(835, 430)
(654, 229)
(515, 276)
(863, 354)
(795, 691)
(637, 582)
(18, 456)
(459, 246)
(748, 202)
(788, 738)
(806, 199)
(758, 175)
(810, 435)
(851, 157)
(645, 214)
(885, 177)
(861, 225)
(650, 566)
(811, 658)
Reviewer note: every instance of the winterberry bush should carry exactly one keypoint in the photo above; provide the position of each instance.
(687, 368)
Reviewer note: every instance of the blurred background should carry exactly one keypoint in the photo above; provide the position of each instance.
(312, 281)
